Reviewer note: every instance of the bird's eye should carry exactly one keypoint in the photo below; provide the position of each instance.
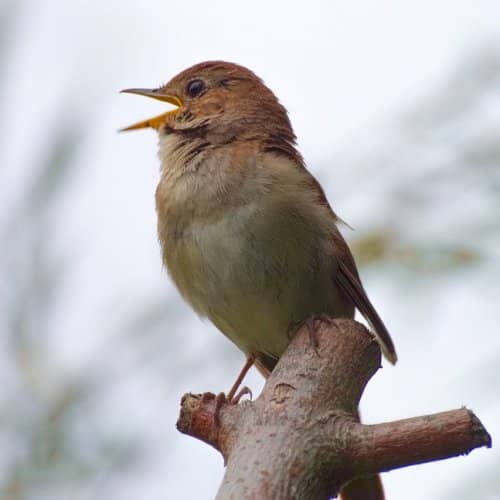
(195, 87)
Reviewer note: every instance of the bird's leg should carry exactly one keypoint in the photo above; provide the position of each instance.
(312, 325)
(231, 394)
(232, 397)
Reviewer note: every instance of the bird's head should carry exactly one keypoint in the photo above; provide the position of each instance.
(219, 100)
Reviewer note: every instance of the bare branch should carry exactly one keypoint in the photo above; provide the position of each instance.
(302, 439)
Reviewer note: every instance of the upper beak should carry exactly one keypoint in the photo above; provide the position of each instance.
(157, 121)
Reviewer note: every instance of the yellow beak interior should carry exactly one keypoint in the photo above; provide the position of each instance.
(157, 121)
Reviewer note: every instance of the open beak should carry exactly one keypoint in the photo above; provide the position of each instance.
(157, 121)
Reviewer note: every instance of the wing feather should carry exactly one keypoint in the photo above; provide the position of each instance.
(348, 280)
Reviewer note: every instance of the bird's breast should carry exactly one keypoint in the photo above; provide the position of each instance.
(252, 264)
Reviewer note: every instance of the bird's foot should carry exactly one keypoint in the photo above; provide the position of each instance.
(242, 392)
(232, 393)
(312, 324)
(221, 399)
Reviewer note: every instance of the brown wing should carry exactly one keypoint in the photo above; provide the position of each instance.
(347, 277)
(348, 280)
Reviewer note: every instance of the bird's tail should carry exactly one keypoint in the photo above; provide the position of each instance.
(364, 488)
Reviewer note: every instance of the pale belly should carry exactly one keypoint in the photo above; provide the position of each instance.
(255, 274)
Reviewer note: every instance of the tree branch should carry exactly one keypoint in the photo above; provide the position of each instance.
(301, 437)
(412, 441)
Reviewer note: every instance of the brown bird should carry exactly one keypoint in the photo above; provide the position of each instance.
(246, 231)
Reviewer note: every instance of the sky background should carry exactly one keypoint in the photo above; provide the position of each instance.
(396, 106)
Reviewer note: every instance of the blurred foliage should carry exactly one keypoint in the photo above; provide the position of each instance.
(384, 245)
(42, 409)
(444, 169)
(51, 431)
(41, 406)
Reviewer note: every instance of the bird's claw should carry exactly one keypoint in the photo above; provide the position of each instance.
(243, 391)
(221, 399)
(312, 324)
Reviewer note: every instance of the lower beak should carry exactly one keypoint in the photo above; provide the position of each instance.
(157, 121)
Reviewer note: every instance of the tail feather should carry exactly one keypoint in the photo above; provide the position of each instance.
(364, 488)
(352, 288)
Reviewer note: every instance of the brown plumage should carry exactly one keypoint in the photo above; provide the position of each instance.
(246, 231)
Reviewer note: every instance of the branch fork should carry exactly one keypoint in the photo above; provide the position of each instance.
(302, 439)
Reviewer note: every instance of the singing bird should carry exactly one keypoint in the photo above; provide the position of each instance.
(246, 232)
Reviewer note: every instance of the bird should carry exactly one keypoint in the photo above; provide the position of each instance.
(246, 231)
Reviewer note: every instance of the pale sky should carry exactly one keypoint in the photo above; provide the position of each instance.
(344, 70)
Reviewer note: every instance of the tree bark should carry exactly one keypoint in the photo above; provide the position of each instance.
(301, 437)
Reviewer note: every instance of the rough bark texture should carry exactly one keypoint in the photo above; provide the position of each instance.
(301, 437)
